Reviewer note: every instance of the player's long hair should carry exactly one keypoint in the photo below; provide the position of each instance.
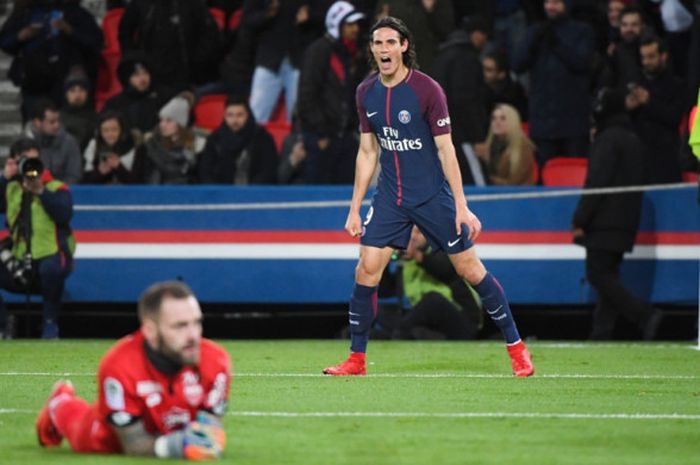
(409, 56)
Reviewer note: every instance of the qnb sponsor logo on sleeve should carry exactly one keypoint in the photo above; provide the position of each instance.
(389, 140)
(442, 122)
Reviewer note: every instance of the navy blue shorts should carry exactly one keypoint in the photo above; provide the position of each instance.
(388, 224)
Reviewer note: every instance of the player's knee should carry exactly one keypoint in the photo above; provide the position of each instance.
(472, 272)
(367, 274)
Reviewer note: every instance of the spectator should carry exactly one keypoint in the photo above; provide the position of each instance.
(140, 100)
(508, 153)
(500, 87)
(442, 306)
(458, 70)
(606, 225)
(333, 66)
(239, 151)
(614, 9)
(558, 53)
(59, 151)
(113, 156)
(624, 66)
(509, 25)
(48, 38)
(77, 113)
(179, 37)
(281, 29)
(430, 21)
(37, 209)
(656, 105)
(172, 149)
(292, 163)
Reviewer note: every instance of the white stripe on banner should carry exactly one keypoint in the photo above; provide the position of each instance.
(263, 251)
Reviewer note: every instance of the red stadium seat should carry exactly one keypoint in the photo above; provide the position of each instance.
(279, 113)
(565, 172)
(690, 176)
(535, 172)
(110, 29)
(278, 130)
(108, 83)
(234, 21)
(219, 16)
(209, 111)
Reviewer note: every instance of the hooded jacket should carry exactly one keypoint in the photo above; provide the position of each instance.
(329, 76)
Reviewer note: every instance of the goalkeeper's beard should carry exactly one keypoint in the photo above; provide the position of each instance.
(188, 355)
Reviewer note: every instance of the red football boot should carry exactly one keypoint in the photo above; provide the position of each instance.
(45, 430)
(521, 359)
(354, 365)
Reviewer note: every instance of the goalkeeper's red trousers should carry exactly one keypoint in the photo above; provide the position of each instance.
(76, 420)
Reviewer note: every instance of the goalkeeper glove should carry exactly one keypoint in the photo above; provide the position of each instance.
(201, 439)
(211, 424)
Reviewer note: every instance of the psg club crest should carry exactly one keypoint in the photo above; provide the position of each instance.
(404, 117)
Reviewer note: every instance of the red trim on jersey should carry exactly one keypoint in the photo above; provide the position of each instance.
(399, 191)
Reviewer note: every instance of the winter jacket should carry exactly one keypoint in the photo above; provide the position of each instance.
(60, 154)
(179, 37)
(327, 83)
(458, 70)
(558, 54)
(247, 156)
(41, 64)
(610, 221)
(50, 217)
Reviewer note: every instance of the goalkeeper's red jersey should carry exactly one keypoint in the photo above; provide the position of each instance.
(131, 388)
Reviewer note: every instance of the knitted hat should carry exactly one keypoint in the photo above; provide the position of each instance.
(341, 12)
(177, 109)
(77, 77)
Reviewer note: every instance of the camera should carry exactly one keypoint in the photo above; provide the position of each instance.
(19, 270)
(31, 168)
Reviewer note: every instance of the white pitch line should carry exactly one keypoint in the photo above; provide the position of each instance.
(400, 375)
(446, 415)
(574, 416)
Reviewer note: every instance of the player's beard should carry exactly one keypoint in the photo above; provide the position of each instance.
(189, 358)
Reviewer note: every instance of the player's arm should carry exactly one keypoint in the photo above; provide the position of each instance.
(450, 167)
(135, 440)
(366, 163)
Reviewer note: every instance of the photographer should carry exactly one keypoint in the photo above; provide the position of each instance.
(37, 256)
(442, 306)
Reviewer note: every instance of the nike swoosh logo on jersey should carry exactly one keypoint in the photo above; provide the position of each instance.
(369, 115)
(494, 311)
(450, 244)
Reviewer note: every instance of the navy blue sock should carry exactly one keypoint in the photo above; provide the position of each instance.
(496, 305)
(363, 309)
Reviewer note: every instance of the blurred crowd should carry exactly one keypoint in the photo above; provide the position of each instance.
(125, 102)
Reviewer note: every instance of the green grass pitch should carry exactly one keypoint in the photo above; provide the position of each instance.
(421, 403)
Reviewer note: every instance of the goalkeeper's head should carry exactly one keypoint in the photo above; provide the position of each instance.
(171, 321)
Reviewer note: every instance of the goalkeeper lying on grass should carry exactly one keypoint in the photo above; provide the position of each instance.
(161, 389)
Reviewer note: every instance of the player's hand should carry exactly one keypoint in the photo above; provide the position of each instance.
(198, 444)
(353, 225)
(212, 426)
(466, 217)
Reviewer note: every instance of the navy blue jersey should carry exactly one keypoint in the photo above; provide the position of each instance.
(405, 118)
